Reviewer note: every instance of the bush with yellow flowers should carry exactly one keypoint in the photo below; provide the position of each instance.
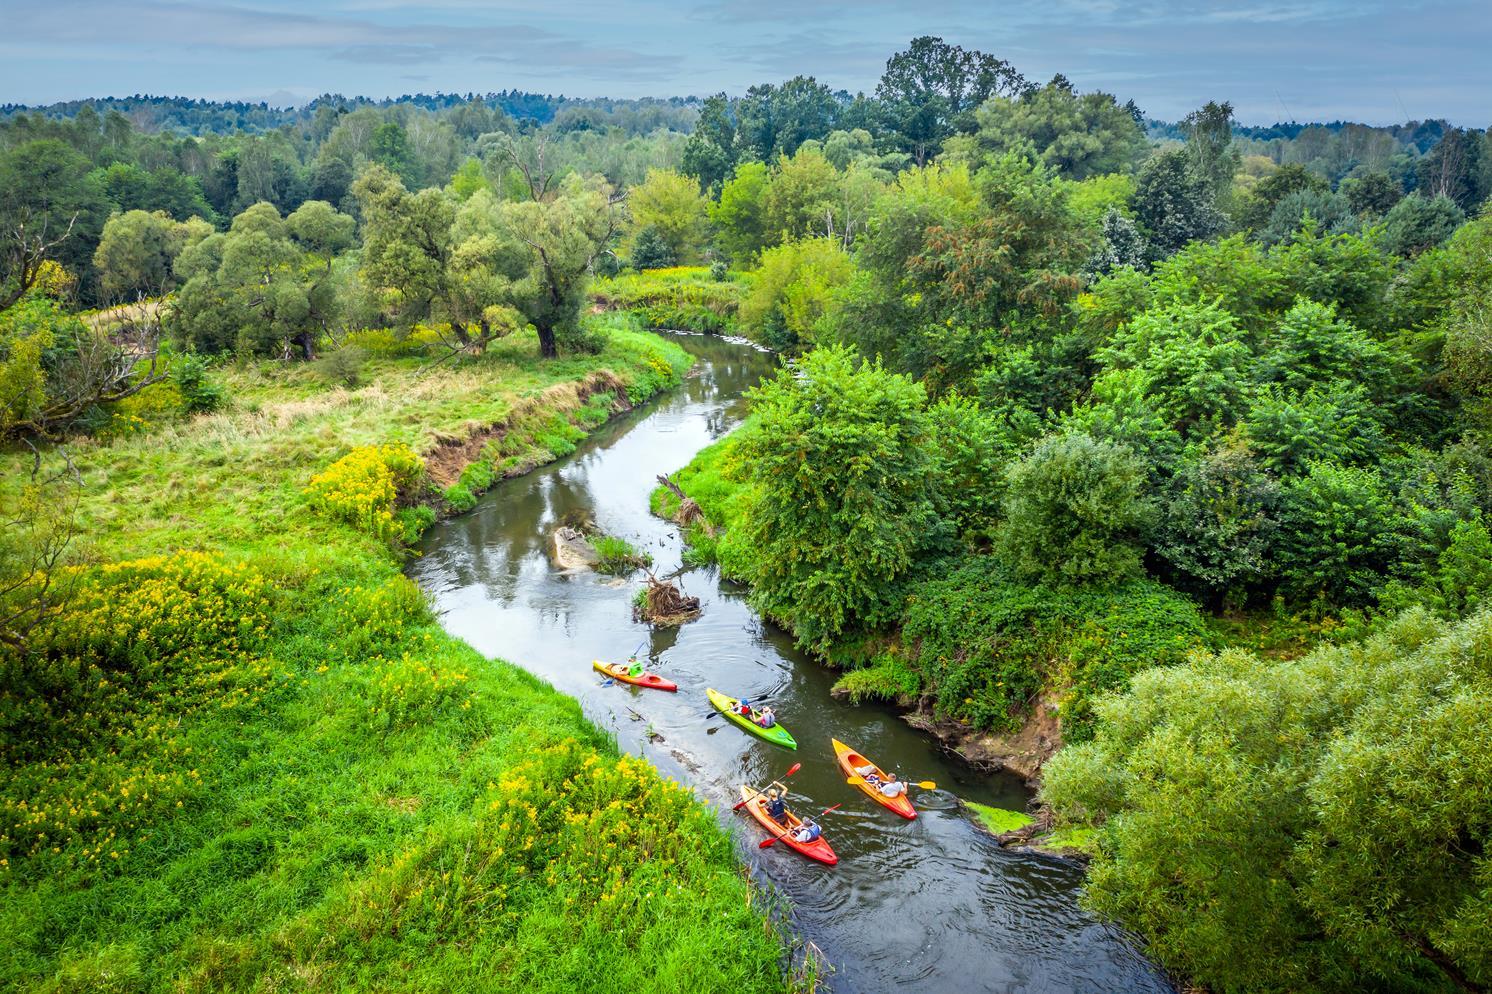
(93, 721)
(363, 486)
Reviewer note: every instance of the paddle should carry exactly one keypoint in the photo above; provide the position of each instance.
(790, 771)
(765, 843)
(924, 784)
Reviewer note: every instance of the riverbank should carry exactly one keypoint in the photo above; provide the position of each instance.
(249, 757)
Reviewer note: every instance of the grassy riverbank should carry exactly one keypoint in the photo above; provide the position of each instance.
(247, 756)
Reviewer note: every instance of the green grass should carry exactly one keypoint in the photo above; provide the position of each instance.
(618, 556)
(682, 298)
(716, 486)
(264, 766)
(998, 820)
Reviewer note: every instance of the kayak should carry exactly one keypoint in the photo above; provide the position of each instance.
(817, 850)
(618, 671)
(777, 735)
(849, 759)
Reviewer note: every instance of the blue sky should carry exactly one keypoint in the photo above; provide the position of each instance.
(1275, 59)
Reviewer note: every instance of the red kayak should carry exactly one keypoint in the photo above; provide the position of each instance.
(817, 850)
(618, 671)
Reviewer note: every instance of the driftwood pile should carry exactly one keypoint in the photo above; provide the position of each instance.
(688, 511)
(665, 604)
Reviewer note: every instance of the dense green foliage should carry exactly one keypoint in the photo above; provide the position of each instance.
(1332, 810)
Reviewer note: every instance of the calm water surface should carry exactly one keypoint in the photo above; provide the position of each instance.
(931, 905)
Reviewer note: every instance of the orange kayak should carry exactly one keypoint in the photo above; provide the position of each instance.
(618, 671)
(849, 759)
(817, 850)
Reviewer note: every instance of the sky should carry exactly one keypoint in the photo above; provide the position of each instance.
(1304, 60)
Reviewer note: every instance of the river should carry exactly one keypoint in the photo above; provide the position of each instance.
(931, 905)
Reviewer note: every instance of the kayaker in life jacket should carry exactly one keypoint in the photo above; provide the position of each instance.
(766, 718)
(743, 708)
(635, 668)
(892, 787)
(775, 806)
(808, 831)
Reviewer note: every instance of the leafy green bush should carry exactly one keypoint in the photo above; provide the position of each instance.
(1075, 511)
(984, 645)
(200, 392)
(1320, 823)
(841, 479)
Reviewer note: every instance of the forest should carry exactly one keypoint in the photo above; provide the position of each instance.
(1174, 435)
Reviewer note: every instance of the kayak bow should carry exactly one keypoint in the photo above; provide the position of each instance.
(818, 850)
(618, 671)
(777, 735)
(849, 759)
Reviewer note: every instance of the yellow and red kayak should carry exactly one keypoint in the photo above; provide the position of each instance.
(817, 850)
(618, 671)
(849, 759)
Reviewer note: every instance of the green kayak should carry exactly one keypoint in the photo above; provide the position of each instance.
(777, 735)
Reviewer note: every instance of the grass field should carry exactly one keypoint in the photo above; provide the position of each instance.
(248, 758)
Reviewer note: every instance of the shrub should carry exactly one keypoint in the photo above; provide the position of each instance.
(362, 487)
(841, 477)
(1318, 823)
(985, 644)
(343, 366)
(792, 290)
(199, 391)
(1075, 511)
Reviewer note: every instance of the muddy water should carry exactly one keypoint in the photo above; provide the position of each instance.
(930, 905)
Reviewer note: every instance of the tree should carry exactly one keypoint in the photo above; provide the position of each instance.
(710, 153)
(1315, 823)
(671, 206)
(1075, 512)
(930, 87)
(800, 197)
(49, 209)
(1216, 522)
(136, 254)
(840, 471)
(39, 525)
(1121, 245)
(650, 250)
(1174, 205)
(1077, 135)
(1453, 169)
(1336, 536)
(558, 242)
(740, 214)
(267, 284)
(1258, 206)
(1210, 151)
(803, 109)
(792, 290)
(1321, 211)
(1371, 194)
(1418, 223)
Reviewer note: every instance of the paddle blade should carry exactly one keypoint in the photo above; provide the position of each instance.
(765, 843)
(927, 785)
(793, 769)
(856, 781)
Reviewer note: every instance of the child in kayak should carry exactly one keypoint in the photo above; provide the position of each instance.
(808, 831)
(775, 806)
(766, 718)
(743, 708)
(635, 668)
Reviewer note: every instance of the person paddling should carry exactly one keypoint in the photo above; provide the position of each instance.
(634, 668)
(766, 717)
(776, 807)
(892, 787)
(808, 831)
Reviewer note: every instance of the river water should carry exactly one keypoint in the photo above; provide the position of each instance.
(931, 905)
